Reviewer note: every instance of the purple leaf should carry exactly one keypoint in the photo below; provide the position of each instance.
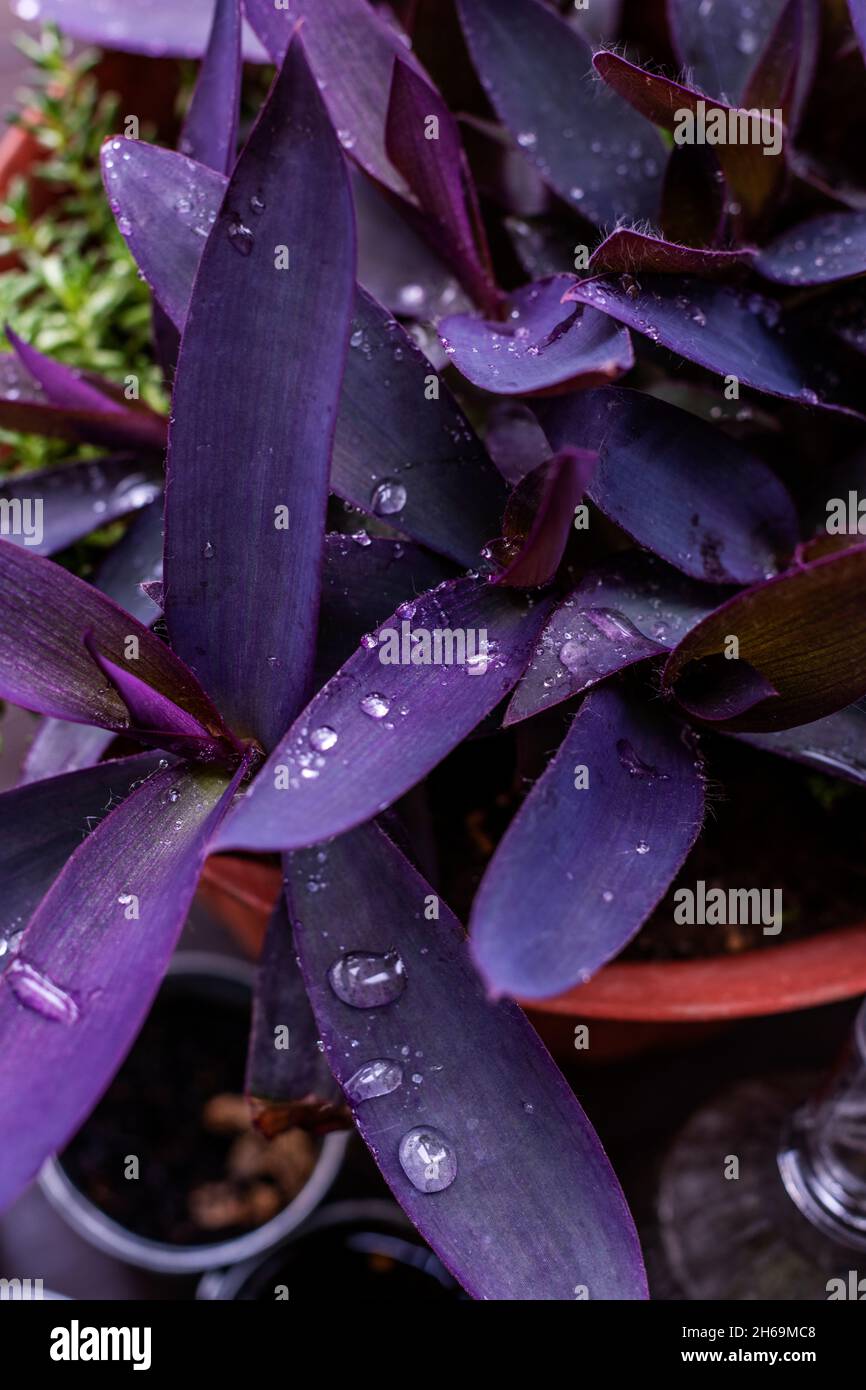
(351, 50)
(804, 632)
(592, 149)
(593, 849)
(857, 11)
(826, 248)
(62, 385)
(363, 580)
(63, 504)
(155, 591)
(693, 197)
(503, 175)
(250, 446)
(210, 130)
(730, 521)
(377, 728)
(719, 690)
(835, 745)
(135, 558)
(292, 1085)
(27, 408)
(45, 615)
(783, 75)
(722, 43)
(60, 747)
(632, 608)
(533, 1209)
(165, 205)
(515, 440)
(153, 713)
(542, 347)
(754, 168)
(432, 161)
(455, 499)
(727, 331)
(74, 996)
(404, 450)
(540, 515)
(159, 28)
(636, 252)
(395, 265)
(42, 825)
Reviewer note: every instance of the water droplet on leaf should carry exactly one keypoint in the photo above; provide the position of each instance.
(36, 991)
(374, 1079)
(241, 238)
(367, 981)
(323, 738)
(388, 497)
(428, 1159)
(377, 706)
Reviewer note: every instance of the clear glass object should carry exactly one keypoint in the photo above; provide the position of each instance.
(763, 1192)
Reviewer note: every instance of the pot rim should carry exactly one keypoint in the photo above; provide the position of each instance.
(801, 974)
(98, 1229)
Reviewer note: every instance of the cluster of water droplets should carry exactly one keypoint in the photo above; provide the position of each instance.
(375, 980)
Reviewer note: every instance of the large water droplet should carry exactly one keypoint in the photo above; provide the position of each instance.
(38, 992)
(427, 1159)
(377, 706)
(323, 738)
(366, 981)
(388, 497)
(374, 1079)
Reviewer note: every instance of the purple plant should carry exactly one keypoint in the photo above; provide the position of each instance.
(616, 538)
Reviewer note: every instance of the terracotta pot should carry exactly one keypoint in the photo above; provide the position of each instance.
(18, 153)
(799, 975)
(241, 893)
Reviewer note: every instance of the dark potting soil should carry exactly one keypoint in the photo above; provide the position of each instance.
(770, 823)
(177, 1106)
